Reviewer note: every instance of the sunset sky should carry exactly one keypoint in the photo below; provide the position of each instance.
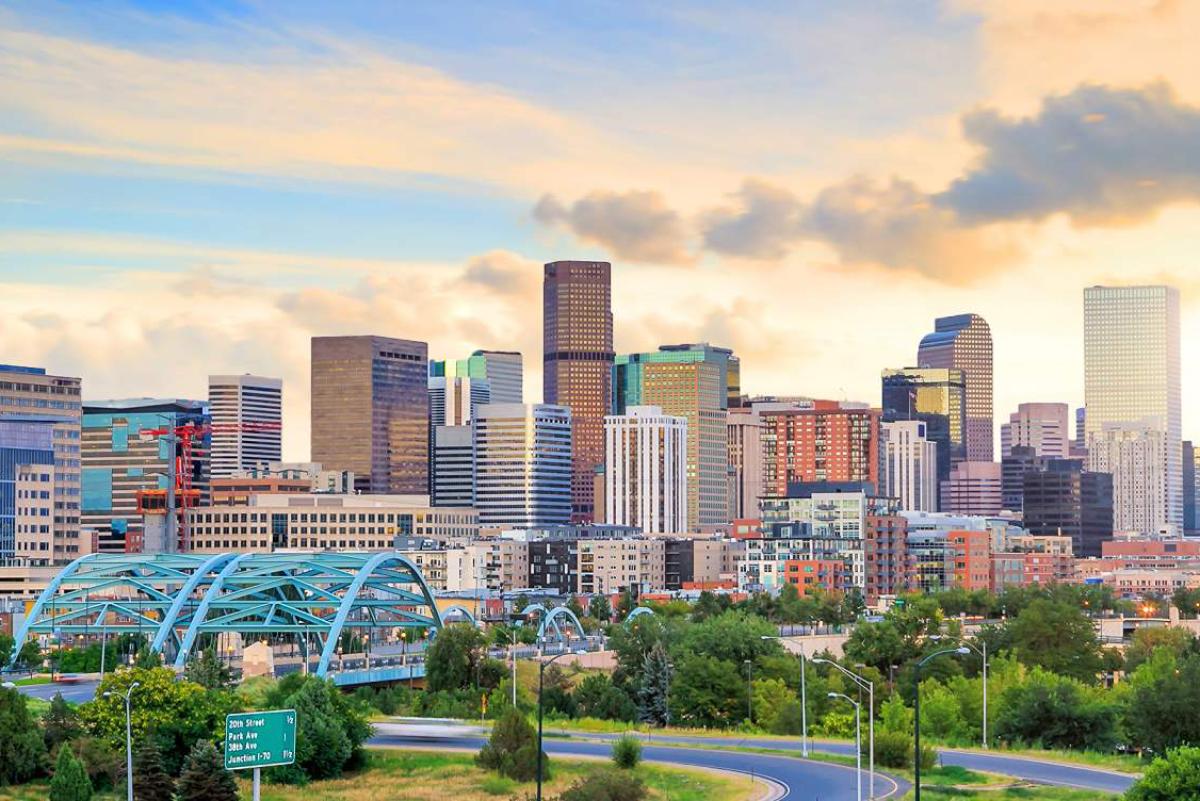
(189, 189)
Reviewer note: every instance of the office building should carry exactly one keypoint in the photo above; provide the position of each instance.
(633, 563)
(689, 382)
(729, 365)
(27, 492)
(370, 411)
(1019, 460)
(964, 342)
(31, 392)
(645, 457)
(1190, 455)
(1135, 456)
(502, 369)
(744, 429)
(577, 356)
(908, 465)
(237, 490)
(818, 441)
(452, 471)
(247, 420)
(1063, 499)
(1041, 426)
(1132, 380)
(453, 399)
(523, 464)
(125, 458)
(973, 488)
(935, 397)
(336, 482)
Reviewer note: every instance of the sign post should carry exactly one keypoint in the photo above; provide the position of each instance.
(257, 740)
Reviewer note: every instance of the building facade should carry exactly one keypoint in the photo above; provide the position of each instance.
(818, 441)
(27, 490)
(453, 399)
(1136, 458)
(523, 464)
(1062, 498)
(964, 342)
(452, 469)
(1044, 427)
(937, 398)
(247, 420)
(646, 478)
(502, 369)
(370, 411)
(908, 465)
(973, 488)
(577, 359)
(744, 429)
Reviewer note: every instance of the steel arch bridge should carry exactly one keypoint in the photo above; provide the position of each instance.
(177, 598)
(637, 612)
(550, 620)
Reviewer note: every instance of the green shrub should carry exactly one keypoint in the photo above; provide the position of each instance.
(204, 777)
(1175, 777)
(893, 749)
(627, 752)
(104, 765)
(70, 782)
(606, 785)
(512, 749)
(929, 757)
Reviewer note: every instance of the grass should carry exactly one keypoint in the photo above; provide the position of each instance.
(32, 680)
(435, 775)
(1021, 793)
(40, 790)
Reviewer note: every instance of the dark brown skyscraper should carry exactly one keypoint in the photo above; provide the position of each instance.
(370, 411)
(577, 340)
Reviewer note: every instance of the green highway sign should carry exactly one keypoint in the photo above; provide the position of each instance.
(260, 739)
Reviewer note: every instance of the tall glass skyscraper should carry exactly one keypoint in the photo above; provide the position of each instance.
(247, 415)
(964, 342)
(370, 411)
(502, 369)
(577, 355)
(522, 464)
(1131, 377)
(936, 397)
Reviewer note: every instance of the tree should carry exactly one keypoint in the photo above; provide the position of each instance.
(209, 671)
(1177, 641)
(707, 691)
(575, 606)
(70, 782)
(771, 697)
(60, 723)
(625, 604)
(600, 608)
(597, 697)
(7, 644)
(204, 777)
(22, 752)
(627, 752)
(630, 643)
(1153, 718)
(1187, 601)
(512, 749)
(556, 692)
(150, 781)
(454, 657)
(941, 717)
(330, 731)
(1058, 637)
(1175, 777)
(655, 687)
(1056, 711)
(877, 644)
(731, 636)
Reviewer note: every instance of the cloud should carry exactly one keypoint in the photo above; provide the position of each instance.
(763, 225)
(636, 226)
(502, 271)
(1104, 156)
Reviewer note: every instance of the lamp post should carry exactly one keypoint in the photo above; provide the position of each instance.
(128, 739)
(917, 716)
(803, 698)
(865, 684)
(749, 691)
(541, 681)
(983, 653)
(857, 741)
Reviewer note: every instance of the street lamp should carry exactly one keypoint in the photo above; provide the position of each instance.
(128, 739)
(541, 682)
(803, 698)
(857, 741)
(749, 692)
(864, 684)
(917, 716)
(983, 653)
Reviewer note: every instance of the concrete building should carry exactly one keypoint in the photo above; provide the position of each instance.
(1043, 427)
(27, 490)
(608, 566)
(318, 522)
(452, 471)
(818, 441)
(1135, 456)
(577, 355)
(1019, 460)
(908, 465)
(370, 411)
(453, 399)
(744, 429)
(1062, 498)
(689, 382)
(247, 420)
(964, 342)
(337, 482)
(935, 397)
(122, 462)
(646, 480)
(1132, 380)
(1189, 487)
(973, 488)
(30, 392)
(502, 369)
(237, 490)
(523, 464)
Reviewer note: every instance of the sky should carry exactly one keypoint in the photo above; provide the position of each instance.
(198, 188)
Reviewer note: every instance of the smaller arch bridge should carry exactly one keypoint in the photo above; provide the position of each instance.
(553, 620)
(458, 611)
(637, 612)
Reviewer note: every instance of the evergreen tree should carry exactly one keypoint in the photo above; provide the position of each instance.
(204, 777)
(22, 752)
(150, 781)
(147, 659)
(512, 749)
(600, 608)
(70, 782)
(60, 723)
(209, 671)
(656, 683)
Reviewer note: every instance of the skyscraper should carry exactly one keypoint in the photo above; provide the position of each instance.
(577, 355)
(908, 465)
(522, 464)
(247, 416)
(689, 382)
(453, 399)
(1131, 377)
(26, 391)
(370, 411)
(1134, 456)
(646, 470)
(452, 468)
(27, 492)
(964, 342)
(936, 397)
(1189, 487)
(502, 369)
(973, 488)
(1061, 498)
(1041, 426)
(744, 427)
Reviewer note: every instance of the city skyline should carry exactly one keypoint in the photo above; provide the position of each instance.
(212, 241)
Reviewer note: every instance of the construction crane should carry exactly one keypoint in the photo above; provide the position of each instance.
(180, 469)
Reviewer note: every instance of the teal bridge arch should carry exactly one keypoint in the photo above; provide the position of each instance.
(457, 610)
(637, 612)
(549, 620)
(176, 599)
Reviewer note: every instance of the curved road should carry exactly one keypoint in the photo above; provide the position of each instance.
(795, 780)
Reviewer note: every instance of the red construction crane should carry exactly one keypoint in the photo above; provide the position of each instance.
(181, 466)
